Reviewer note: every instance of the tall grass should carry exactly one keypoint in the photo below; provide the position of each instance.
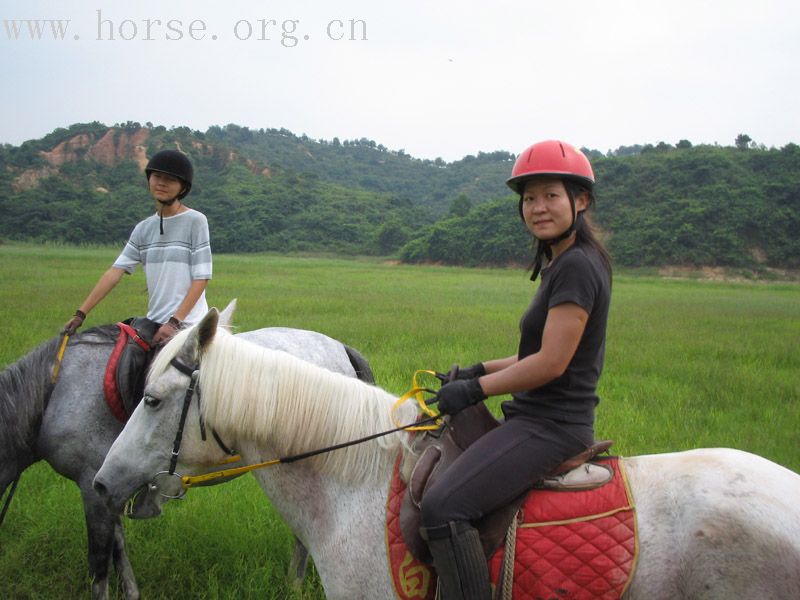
(688, 364)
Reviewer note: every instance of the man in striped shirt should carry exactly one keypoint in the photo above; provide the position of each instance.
(173, 247)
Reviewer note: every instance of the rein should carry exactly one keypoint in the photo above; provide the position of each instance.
(188, 481)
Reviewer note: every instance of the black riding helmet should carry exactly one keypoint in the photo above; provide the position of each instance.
(172, 163)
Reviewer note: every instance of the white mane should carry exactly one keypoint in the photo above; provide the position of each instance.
(251, 392)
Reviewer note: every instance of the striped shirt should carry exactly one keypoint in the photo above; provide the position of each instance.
(171, 261)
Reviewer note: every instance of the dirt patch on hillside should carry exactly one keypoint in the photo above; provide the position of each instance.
(117, 145)
(29, 179)
(761, 274)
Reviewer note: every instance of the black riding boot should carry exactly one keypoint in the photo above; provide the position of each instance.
(459, 561)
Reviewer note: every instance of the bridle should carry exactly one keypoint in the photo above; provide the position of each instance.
(432, 422)
(193, 373)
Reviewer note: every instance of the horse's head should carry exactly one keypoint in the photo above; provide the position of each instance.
(150, 454)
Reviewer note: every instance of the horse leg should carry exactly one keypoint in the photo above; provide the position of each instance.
(100, 526)
(100, 532)
(10, 472)
(5, 499)
(122, 564)
(298, 564)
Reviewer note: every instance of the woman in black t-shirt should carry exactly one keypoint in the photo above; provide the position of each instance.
(552, 377)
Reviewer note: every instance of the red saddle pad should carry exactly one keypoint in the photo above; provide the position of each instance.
(576, 545)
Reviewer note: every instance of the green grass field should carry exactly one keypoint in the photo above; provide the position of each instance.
(689, 364)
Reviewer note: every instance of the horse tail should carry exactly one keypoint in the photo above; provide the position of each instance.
(25, 388)
(360, 365)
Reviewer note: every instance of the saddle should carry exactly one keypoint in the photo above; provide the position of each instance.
(123, 382)
(430, 454)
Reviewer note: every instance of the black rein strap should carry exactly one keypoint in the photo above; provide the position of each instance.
(304, 455)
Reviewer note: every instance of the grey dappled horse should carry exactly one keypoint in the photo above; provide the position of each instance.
(70, 426)
(713, 523)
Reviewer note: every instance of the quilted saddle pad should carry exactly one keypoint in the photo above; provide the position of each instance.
(576, 545)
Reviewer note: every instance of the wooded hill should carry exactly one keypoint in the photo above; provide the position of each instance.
(271, 190)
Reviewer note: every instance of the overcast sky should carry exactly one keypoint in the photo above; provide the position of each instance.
(435, 78)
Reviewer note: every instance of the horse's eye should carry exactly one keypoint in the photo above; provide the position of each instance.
(151, 401)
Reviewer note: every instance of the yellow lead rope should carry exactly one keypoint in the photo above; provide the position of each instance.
(190, 480)
(415, 392)
(59, 358)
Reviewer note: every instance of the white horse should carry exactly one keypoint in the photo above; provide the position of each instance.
(713, 523)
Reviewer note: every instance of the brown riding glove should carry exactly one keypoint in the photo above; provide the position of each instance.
(166, 331)
(76, 321)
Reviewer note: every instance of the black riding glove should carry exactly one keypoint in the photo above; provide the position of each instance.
(473, 372)
(456, 372)
(457, 395)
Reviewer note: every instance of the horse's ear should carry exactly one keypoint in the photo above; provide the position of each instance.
(200, 336)
(226, 316)
(207, 328)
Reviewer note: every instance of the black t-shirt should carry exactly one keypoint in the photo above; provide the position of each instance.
(577, 276)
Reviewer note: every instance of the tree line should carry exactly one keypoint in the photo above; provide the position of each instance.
(272, 190)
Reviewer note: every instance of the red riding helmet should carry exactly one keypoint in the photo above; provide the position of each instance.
(554, 158)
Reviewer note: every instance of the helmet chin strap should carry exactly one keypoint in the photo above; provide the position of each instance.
(164, 204)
